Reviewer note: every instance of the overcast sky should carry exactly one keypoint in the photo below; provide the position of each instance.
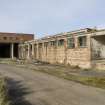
(47, 17)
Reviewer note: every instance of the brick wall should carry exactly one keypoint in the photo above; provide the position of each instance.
(15, 37)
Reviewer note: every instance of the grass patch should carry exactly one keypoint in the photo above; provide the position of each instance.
(63, 72)
(90, 81)
(3, 92)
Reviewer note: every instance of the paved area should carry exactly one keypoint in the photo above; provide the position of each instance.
(29, 87)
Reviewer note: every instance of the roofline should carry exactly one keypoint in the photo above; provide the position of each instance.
(70, 32)
(16, 33)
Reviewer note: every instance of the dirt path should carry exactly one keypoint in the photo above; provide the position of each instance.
(34, 88)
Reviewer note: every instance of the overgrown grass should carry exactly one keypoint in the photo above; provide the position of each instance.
(62, 73)
(3, 92)
(90, 81)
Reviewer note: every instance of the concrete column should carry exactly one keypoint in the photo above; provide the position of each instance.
(19, 51)
(22, 51)
(37, 52)
(28, 56)
(25, 51)
(12, 51)
(33, 51)
(76, 42)
(66, 54)
(42, 52)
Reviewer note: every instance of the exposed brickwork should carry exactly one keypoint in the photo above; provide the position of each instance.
(15, 37)
(9, 44)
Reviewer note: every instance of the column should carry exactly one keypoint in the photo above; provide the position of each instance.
(76, 41)
(28, 56)
(12, 51)
(37, 51)
(19, 51)
(43, 52)
(66, 54)
(33, 50)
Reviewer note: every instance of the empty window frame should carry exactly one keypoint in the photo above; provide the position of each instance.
(45, 44)
(82, 41)
(5, 38)
(61, 42)
(26, 48)
(70, 43)
(40, 45)
(16, 38)
(53, 43)
(11, 38)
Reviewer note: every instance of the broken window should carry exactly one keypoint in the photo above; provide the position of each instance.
(82, 41)
(61, 42)
(5, 38)
(40, 45)
(53, 43)
(45, 44)
(71, 43)
(16, 38)
(26, 48)
(11, 38)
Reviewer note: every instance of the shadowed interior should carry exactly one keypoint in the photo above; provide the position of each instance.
(5, 50)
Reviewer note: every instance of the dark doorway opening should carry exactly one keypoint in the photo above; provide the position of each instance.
(5, 50)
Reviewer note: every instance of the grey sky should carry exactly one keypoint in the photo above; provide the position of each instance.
(45, 17)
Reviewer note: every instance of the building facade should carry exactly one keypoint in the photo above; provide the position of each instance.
(84, 48)
(9, 43)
